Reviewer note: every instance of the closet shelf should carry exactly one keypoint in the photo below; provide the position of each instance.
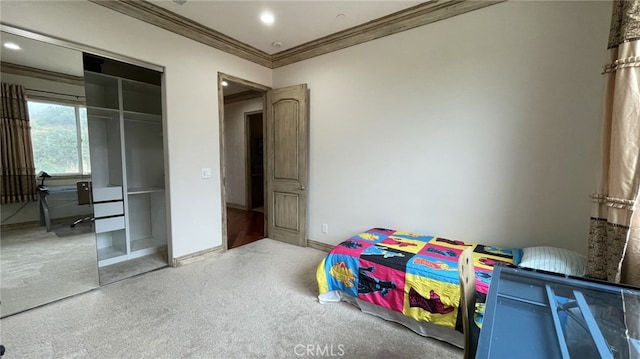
(109, 253)
(143, 117)
(145, 243)
(102, 112)
(142, 190)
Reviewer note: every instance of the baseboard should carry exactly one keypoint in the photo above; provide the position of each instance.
(21, 225)
(319, 245)
(237, 206)
(197, 256)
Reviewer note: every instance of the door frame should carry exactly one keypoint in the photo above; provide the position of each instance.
(223, 186)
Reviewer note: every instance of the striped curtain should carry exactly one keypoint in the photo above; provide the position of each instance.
(614, 236)
(17, 168)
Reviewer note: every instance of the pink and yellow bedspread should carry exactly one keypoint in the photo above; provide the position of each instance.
(414, 274)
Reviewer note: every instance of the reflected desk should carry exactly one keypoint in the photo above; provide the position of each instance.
(534, 314)
(43, 194)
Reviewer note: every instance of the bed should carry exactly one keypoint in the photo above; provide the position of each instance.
(407, 278)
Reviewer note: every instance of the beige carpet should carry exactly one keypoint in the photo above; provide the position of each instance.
(256, 301)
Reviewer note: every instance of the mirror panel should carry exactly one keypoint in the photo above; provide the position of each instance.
(43, 257)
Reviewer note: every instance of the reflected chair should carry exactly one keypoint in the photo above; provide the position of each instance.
(468, 302)
(84, 197)
(43, 205)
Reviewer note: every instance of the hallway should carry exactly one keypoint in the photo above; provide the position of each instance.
(244, 226)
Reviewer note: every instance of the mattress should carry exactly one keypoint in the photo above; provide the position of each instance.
(411, 275)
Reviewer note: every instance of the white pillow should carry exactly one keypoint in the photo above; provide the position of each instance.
(553, 259)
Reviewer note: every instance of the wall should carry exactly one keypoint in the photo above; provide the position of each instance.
(190, 91)
(236, 148)
(482, 127)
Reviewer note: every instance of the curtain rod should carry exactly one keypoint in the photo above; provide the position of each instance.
(54, 93)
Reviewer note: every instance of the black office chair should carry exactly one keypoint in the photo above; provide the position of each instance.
(84, 197)
(43, 175)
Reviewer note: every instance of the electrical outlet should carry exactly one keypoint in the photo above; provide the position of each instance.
(325, 228)
(206, 172)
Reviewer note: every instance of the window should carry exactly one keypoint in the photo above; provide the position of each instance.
(60, 138)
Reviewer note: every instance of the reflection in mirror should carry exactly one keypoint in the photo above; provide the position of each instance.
(47, 242)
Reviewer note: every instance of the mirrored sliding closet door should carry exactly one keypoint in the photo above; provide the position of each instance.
(83, 170)
(47, 239)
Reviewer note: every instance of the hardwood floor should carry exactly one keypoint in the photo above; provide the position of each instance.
(244, 226)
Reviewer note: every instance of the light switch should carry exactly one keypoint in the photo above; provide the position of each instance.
(206, 173)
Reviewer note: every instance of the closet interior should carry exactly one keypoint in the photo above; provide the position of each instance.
(124, 112)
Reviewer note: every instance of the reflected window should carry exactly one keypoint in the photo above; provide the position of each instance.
(60, 138)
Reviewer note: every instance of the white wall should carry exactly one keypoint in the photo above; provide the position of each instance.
(191, 71)
(235, 148)
(482, 127)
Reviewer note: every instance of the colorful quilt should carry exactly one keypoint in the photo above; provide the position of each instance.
(413, 274)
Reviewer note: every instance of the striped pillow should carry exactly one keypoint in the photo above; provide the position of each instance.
(553, 259)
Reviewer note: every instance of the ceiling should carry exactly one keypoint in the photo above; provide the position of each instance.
(296, 22)
(233, 88)
(303, 28)
(45, 56)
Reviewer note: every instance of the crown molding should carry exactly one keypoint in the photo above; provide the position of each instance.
(419, 15)
(165, 19)
(403, 20)
(22, 70)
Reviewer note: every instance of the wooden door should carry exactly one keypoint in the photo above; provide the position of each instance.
(287, 140)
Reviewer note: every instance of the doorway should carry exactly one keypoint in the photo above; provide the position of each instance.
(285, 161)
(254, 130)
(242, 154)
(246, 222)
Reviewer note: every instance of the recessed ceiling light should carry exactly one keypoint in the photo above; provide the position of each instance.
(340, 16)
(180, 2)
(224, 83)
(12, 46)
(276, 44)
(267, 18)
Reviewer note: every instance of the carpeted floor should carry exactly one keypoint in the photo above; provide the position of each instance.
(37, 266)
(255, 301)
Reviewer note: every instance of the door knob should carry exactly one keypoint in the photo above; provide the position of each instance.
(302, 188)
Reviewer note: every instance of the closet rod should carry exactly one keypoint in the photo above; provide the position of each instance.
(54, 93)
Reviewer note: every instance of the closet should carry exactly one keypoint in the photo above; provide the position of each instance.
(124, 116)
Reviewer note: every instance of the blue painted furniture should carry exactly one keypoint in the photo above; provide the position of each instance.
(536, 314)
